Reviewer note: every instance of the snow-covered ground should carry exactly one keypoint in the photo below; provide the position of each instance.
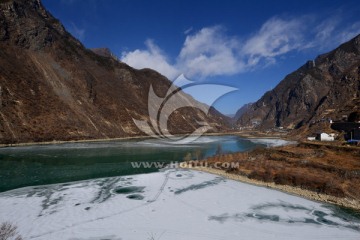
(271, 142)
(173, 204)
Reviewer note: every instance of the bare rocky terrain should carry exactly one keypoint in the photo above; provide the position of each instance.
(53, 88)
(325, 88)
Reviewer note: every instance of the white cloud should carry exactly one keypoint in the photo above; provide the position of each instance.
(276, 37)
(208, 52)
(153, 57)
(212, 52)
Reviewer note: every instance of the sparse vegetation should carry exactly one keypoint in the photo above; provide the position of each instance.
(321, 168)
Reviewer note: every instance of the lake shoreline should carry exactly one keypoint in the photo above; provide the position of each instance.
(307, 194)
(240, 134)
(343, 202)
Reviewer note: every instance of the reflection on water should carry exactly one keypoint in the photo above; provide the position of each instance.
(46, 164)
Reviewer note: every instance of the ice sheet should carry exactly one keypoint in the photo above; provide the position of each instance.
(173, 204)
(272, 142)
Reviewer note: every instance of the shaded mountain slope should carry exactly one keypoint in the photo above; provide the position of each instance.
(326, 88)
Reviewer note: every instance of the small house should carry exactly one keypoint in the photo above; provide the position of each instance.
(325, 137)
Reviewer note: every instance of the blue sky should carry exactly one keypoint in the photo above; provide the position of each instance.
(250, 45)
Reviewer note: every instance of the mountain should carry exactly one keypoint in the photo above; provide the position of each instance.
(53, 88)
(241, 111)
(325, 88)
(104, 52)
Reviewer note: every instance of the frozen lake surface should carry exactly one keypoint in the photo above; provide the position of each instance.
(172, 204)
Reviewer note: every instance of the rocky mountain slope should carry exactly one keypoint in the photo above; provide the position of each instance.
(326, 88)
(241, 111)
(53, 88)
(104, 52)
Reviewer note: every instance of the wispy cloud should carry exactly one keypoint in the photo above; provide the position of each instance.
(349, 32)
(212, 52)
(276, 37)
(325, 29)
(187, 31)
(332, 32)
(77, 32)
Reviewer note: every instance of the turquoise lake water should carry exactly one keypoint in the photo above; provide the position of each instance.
(47, 164)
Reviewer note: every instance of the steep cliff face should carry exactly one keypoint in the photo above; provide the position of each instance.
(53, 88)
(327, 87)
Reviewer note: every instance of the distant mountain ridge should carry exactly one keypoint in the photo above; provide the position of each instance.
(323, 89)
(241, 111)
(53, 88)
